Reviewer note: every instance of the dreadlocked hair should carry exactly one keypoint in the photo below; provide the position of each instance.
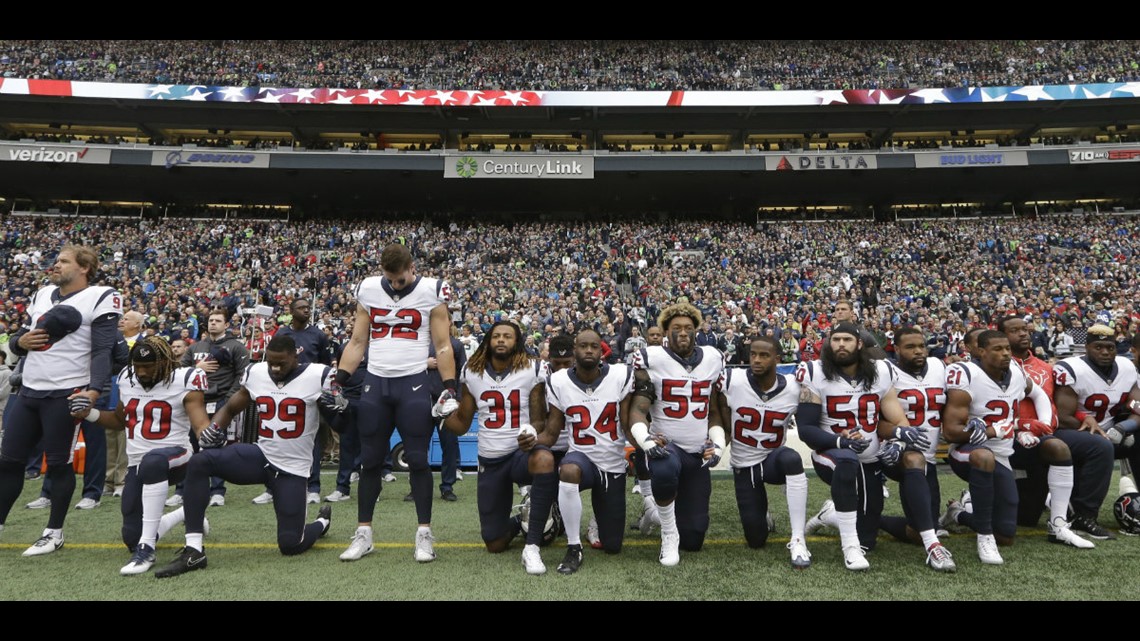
(165, 361)
(518, 358)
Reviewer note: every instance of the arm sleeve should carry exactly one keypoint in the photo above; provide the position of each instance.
(807, 422)
(14, 343)
(103, 338)
(1042, 404)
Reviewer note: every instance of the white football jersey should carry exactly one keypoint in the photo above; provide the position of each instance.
(922, 398)
(684, 393)
(563, 442)
(759, 417)
(1104, 398)
(991, 401)
(400, 323)
(156, 417)
(67, 363)
(503, 405)
(846, 404)
(287, 413)
(592, 414)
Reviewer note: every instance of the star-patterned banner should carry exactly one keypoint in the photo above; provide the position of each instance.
(460, 98)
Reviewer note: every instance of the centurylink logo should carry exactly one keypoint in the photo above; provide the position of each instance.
(466, 167)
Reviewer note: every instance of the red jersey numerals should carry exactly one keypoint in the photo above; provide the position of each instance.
(917, 404)
(695, 401)
(1098, 404)
(752, 419)
(861, 413)
(412, 318)
(954, 376)
(504, 411)
(606, 424)
(290, 412)
(199, 382)
(154, 425)
(1002, 410)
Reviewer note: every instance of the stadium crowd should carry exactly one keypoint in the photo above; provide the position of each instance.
(576, 65)
(1061, 272)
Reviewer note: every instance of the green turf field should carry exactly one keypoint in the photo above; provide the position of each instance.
(244, 563)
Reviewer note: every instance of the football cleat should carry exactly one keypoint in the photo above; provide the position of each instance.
(939, 559)
(360, 546)
(817, 522)
(337, 496)
(425, 549)
(572, 561)
(141, 561)
(801, 557)
(1090, 527)
(188, 560)
(532, 560)
(1060, 532)
(592, 534)
(217, 500)
(313, 497)
(650, 519)
(950, 517)
(265, 498)
(174, 501)
(325, 513)
(771, 523)
(670, 548)
(39, 503)
(988, 550)
(387, 478)
(46, 544)
(967, 501)
(855, 559)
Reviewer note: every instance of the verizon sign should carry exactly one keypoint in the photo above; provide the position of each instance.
(56, 154)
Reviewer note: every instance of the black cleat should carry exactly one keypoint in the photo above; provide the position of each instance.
(188, 559)
(572, 561)
(1089, 526)
(325, 513)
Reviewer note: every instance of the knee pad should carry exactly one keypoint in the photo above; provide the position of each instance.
(790, 462)
(153, 469)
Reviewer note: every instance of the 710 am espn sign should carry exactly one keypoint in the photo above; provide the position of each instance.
(1104, 155)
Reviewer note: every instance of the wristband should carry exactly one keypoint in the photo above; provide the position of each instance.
(451, 384)
(342, 377)
(1080, 415)
(92, 415)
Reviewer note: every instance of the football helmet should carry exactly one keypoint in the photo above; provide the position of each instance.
(1127, 512)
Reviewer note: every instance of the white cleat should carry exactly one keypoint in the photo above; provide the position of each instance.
(39, 504)
(532, 560)
(988, 550)
(967, 501)
(670, 548)
(939, 559)
(265, 498)
(650, 519)
(337, 496)
(360, 546)
(854, 558)
(387, 478)
(818, 522)
(141, 561)
(801, 557)
(425, 546)
(45, 545)
(174, 501)
(313, 497)
(1060, 532)
(950, 517)
(592, 537)
(217, 500)
(87, 504)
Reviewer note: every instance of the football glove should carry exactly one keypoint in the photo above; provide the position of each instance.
(333, 402)
(1004, 429)
(713, 460)
(212, 437)
(1036, 427)
(889, 454)
(1027, 439)
(81, 403)
(912, 436)
(976, 429)
(856, 445)
(445, 406)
